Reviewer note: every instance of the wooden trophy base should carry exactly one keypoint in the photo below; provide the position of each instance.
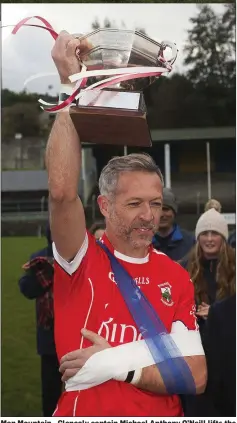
(111, 117)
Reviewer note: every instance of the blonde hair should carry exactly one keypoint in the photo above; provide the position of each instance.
(225, 272)
(213, 204)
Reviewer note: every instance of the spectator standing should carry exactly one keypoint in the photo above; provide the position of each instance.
(219, 398)
(37, 283)
(170, 238)
(211, 263)
(217, 206)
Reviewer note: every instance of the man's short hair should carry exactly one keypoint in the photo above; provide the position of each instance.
(131, 163)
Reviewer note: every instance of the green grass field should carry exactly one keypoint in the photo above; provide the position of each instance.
(20, 362)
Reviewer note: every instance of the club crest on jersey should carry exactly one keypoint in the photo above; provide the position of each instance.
(166, 296)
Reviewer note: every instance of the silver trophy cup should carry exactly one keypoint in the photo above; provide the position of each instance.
(117, 114)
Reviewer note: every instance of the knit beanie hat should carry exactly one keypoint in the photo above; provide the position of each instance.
(169, 200)
(212, 220)
(213, 204)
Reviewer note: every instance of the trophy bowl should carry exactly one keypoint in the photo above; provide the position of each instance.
(117, 115)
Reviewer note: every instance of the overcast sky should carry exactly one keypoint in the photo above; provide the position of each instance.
(29, 51)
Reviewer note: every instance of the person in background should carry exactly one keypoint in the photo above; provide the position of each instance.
(37, 283)
(97, 229)
(170, 238)
(211, 263)
(219, 398)
(213, 204)
(217, 206)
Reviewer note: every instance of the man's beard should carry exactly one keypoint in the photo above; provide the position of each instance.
(127, 233)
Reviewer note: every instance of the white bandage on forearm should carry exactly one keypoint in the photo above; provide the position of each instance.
(115, 363)
(112, 363)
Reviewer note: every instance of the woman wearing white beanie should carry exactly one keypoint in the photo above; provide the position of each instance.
(211, 263)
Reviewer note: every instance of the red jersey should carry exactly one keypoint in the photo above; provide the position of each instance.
(86, 296)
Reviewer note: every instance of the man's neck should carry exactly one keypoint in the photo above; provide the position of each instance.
(125, 248)
(164, 232)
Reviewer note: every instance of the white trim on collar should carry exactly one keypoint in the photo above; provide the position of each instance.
(131, 259)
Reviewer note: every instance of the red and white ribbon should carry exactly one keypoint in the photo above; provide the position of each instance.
(134, 73)
(47, 26)
(115, 76)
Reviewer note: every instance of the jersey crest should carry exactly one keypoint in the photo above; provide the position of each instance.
(166, 295)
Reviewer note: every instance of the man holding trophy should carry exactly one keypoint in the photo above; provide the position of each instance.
(128, 345)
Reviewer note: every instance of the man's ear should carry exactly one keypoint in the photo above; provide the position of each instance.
(103, 204)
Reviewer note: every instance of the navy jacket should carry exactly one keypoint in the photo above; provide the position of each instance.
(176, 245)
(32, 289)
(219, 398)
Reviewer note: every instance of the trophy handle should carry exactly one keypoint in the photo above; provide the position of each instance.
(173, 48)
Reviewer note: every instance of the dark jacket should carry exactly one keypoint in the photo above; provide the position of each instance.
(209, 274)
(40, 289)
(232, 240)
(219, 399)
(176, 245)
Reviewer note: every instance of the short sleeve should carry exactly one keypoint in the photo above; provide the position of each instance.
(72, 266)
(89, 246)
(186, 308)
(184, 330)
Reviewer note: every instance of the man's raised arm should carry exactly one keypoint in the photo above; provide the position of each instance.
(63, 162)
